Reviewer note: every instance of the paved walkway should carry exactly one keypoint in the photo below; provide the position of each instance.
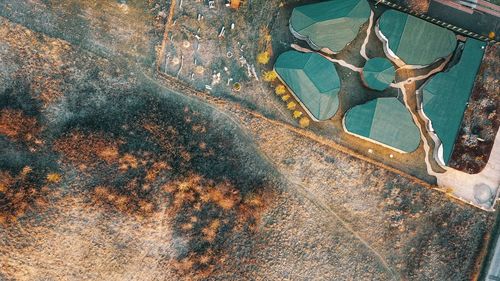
(341, 62)
(480, 190)
(362, 51)
(493, 273)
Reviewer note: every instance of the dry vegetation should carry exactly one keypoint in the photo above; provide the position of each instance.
(16, 126)
(41, 61)
(481, 119)
(107, 175)
(109, 28)
(111, 143)
(421, 233)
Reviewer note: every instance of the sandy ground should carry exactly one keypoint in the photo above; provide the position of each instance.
(332, 215)
(478, 189)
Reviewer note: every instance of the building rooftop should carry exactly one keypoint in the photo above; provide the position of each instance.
(444, 97)
(378, 73)
(385, 121)
(413, 40)
(313, 80)
(331, 24)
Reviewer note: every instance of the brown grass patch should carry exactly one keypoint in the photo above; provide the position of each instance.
(53, 178)
(17, 126)
(210, 231)
(88, 149)
(128, 161)
(19, 194)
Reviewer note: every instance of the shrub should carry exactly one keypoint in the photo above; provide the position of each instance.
(297, 114)
(53, 178)
(304, 122)
(280, 89)
(270, 76)
(237, 87)
(291, 105)
(263, 57)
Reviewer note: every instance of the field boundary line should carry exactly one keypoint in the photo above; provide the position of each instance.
(179, 86)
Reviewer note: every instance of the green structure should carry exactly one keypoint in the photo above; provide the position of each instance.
(378, 73)
(413, 40)
(385, 121)
(329, 25)
(444, 97)
(313, 80)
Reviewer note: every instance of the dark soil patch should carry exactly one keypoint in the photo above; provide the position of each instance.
(129, 146)
(481, 120)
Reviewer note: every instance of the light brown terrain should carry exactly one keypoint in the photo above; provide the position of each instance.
(110, 172)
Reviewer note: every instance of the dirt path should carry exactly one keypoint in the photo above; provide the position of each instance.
(480, 190)
(421, 77)
(319, 203)
(224, 106)
(300, 189)
(341, 62)
(168, 24)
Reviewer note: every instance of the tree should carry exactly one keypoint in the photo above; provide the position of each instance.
(304, 122)
(263, 57)
(237, 86)
(268, 38)
(285, 97)
(270, 76)
(53, 178)
(297, 114)
(280, 89)
(291, 105)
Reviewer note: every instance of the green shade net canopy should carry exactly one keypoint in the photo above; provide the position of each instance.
(445, 96)
(415, 41)
(330, 24)
(313, 80)
(378, 73)
(385, 121)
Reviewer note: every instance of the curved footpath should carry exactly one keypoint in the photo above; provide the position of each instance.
(480, 190)
(341, 62)
(362, 51)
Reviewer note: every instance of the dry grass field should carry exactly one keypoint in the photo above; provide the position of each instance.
(108, 172)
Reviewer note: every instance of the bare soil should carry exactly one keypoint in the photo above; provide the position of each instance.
(481, 118)
(106, 173)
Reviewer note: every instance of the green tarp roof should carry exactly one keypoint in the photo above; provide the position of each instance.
(312, 79)
(330, 24)
(378, 73)
(416, 41)
(385, 120)
(445, 96)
